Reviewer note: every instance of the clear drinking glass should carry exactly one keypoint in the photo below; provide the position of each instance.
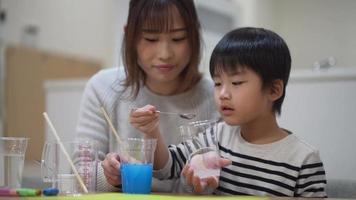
(201, 139)
(12, 156)
(56, 168)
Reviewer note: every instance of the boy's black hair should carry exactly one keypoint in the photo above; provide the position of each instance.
(258, 49)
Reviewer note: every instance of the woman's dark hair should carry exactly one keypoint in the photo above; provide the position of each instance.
(157, 15)
(258, 49)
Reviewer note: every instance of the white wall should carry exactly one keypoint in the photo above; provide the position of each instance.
(317, 29)
(225, 9)
(259, 13)
(313, 29)
(86, 28)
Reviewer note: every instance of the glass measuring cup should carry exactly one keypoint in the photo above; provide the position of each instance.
(55, 167)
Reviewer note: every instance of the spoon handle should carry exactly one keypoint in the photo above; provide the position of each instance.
(188, 116)
(157, 111)
(168, 113)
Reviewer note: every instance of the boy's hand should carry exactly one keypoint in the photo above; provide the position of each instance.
(111, 167)
(145, 119)
(201, 184)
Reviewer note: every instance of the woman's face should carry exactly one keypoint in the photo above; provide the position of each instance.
(164, 55)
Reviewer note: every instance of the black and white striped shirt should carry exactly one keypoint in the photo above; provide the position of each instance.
(288, 167)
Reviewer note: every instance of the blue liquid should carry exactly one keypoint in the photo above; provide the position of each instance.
(136, 178)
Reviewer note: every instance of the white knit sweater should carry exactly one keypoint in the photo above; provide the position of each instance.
(104, 89)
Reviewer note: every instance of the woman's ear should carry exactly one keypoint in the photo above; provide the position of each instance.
(276, 90)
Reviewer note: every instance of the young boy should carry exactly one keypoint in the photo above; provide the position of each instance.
(250, 68)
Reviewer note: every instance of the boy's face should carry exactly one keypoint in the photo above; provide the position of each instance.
(240, 98)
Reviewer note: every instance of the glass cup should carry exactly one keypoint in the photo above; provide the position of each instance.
(56, 168)
(12, 156)
(203, 149)
(137, 157)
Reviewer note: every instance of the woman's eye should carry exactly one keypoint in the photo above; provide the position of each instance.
(178, 39)
(151, 39)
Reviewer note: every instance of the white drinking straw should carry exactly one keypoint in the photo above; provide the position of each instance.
(65, 153)
(111, 126)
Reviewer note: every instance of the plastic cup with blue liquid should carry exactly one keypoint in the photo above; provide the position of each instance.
(137, 156)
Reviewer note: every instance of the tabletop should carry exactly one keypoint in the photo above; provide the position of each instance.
(121, 196)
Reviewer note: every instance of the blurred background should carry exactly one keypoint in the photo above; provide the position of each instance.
(49, 49)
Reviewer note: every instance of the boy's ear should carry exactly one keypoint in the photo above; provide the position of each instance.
(276, 90)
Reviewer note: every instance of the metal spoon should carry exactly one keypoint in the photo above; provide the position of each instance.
(181, 115)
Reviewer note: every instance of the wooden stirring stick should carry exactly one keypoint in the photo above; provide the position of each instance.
(65, 153)
(111, 126)
(122, 153)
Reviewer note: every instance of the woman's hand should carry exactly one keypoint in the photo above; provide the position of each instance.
(200, 184)
(111, 167)
(145, 119)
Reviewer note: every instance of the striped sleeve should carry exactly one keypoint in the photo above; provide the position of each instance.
(176, 161)
(311, 181)
(179, 154)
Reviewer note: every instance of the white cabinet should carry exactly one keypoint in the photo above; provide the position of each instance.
(62, 105)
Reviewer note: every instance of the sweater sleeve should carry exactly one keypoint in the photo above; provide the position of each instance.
(311, 180)
(91, 125)
(102, 185)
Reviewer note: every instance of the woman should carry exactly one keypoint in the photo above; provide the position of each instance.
(161, 54)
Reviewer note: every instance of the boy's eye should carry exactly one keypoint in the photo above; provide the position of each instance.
(237, 82)
(217, 84)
